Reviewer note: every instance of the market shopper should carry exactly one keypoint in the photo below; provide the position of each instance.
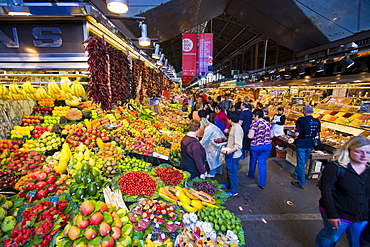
(221, 120)
(233, 153)
(247, 100)
(345, 193)
(307, 128)
(192, 152)
(278, 122)
(245, 120)
(227, 103)
(261, 134)
(213, 151)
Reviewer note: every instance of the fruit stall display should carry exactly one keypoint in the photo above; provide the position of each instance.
(59, 173)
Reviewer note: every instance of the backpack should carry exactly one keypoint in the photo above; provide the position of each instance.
(340, 174)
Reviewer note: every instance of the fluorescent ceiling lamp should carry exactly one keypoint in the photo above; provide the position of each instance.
(347, 62)
(165, 65)
(117, 6)
(301, 70)
(320, 67)
(156, 54)
(160, 61)
(144, 40)
(18, 10)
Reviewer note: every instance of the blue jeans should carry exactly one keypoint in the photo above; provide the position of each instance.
(328, 236)
(216, 170)
(303, 154)
(259, 154)
(232, 167)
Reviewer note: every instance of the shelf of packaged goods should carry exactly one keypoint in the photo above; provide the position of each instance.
(342, 128)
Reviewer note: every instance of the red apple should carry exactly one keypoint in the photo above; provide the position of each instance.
(81, 223)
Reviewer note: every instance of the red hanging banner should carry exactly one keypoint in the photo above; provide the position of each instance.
(189, 54)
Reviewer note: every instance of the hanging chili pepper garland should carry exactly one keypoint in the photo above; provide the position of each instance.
(99, 89)
(117, 75)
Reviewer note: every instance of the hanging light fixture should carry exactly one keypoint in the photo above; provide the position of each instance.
(156, 54)
(347, 62)
(287, 72)
(165, 65)
(117, 6)
(301, 70)
(160, 61)
(320, 67)
(144, 40)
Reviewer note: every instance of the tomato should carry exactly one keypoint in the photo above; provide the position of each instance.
(41, 176)
(40, 185)
(51, 179)
(51, 188)
(30, 186)
(48, 170)
(41, 194)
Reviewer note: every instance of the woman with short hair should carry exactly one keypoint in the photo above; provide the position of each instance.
(192, 152)
(345, 193)
(261, 134)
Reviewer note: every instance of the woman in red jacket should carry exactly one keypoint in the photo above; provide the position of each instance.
(221, 120)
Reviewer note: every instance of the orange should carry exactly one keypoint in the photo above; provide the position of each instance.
(67, 127)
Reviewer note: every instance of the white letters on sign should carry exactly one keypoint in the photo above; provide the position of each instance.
(41, 39)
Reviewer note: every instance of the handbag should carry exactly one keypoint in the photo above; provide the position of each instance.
(317, 144)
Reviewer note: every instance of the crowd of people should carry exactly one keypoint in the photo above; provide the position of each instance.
(344, 183)
(248, 130)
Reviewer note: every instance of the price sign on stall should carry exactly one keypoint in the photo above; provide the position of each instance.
(54, 199)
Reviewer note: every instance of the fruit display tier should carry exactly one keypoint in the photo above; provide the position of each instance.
(87, 177)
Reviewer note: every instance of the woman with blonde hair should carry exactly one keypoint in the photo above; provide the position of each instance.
(345, 193)
(213, 151)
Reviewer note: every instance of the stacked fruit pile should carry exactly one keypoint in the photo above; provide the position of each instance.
(87, 183)
(134, 164)
(163, 221)
(46, 142)
(222, 220)
(43, 183)
(50, 120)
(39, 224)
(24, 162)
(32, 120)
(97, 223)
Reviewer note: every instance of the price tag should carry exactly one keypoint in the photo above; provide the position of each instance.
(54, 199)
(95, 149)
(70, 166)
(25, 137)
(31, 194)
(160, 156)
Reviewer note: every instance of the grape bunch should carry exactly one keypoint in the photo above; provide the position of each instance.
(206, 186)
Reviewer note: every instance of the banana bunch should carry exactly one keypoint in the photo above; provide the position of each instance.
(78, 90)
(150, 243)
(4, 92)
(28, 88)
(41, 94)
(65, 87)
(17, 96)
(14, 89)
(66, 96)
(54, 90)
(32, 96)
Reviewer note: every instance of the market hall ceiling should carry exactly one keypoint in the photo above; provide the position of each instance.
(241, 27)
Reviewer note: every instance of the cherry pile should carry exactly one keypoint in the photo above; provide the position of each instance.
(137, 183)
(38, 224)
(169, 175)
